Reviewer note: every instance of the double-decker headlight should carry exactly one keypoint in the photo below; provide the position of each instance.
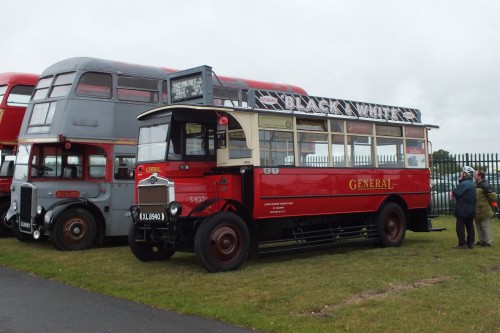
(40, 210)
(174, 208)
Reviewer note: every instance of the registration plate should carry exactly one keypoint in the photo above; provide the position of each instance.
(152, 216)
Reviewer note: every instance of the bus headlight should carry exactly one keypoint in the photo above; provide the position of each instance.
(14, 206)
(174, 208)
(40, 210)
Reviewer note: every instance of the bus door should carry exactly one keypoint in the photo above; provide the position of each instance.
(122, 193)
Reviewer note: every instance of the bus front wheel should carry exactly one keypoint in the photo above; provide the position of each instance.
(5, 227)
(74, 230)
(222, 242)
(146, 250)
(391, 224)
(21, 236)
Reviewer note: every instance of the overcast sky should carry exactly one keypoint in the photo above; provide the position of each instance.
(442, 57)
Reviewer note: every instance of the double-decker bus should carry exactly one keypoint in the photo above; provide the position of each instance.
(285, 172)
(73, 179)
(15, 92)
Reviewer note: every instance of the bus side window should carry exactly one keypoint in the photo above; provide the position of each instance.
(123, 166)
(96, 85)
(97, 166)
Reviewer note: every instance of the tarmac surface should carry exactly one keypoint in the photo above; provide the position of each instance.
(30, 304)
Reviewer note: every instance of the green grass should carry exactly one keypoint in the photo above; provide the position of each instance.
(422, 286)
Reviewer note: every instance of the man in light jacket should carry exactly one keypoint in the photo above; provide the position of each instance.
(484, 196)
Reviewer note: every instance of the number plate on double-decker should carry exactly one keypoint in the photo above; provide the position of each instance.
(152, 217)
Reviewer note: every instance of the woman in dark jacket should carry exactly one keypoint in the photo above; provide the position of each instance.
(465, 208)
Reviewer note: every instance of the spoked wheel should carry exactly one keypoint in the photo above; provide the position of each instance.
(222, 242)
(145, 249)
(75, 229)
(5, 227)
(391, 224)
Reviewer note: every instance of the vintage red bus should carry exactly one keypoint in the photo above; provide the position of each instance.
(15, 92)
(73, 178)
(285, 172)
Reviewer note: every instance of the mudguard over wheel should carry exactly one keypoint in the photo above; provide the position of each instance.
(75, 229)
(222, 242)
(147, 250)
(391, 224)
(5, 227)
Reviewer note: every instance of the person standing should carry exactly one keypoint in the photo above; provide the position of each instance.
(465, 208)
(484, 195)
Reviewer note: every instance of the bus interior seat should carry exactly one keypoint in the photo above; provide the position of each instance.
(122, 172)
(70, 171)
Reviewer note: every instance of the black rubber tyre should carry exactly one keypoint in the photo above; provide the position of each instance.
(148, 250)
(5, 227)
(222, 242)
(21, 236)
(74, 230)
(391, 224)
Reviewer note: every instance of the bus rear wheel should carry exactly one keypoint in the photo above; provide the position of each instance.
(74, 230)
(222, 242)
(5, 227)
(146, 250)
(391, 224)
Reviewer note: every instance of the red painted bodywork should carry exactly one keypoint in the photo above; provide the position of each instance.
(11, 117)
(289, 192)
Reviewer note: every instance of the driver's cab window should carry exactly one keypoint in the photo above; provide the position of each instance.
(199, 142)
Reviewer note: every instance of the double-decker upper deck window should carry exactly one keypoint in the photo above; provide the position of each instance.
(41, 117)
(19, 95)
(164, 92)
(137, 89)
(3, 89)
(42, 88)
(98, 85)
(62, 84)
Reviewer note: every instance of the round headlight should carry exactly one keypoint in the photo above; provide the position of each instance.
(14, 205)
(39, 209)
(174, 208)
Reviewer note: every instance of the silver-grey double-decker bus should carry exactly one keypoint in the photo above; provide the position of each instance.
(74, 173)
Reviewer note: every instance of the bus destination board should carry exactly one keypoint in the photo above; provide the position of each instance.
(186, 88)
